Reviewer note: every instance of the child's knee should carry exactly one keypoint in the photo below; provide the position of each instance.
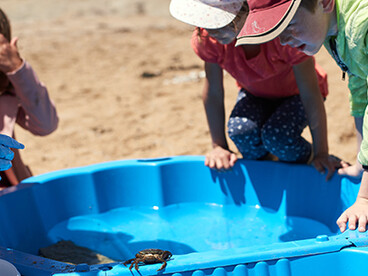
(239, 126)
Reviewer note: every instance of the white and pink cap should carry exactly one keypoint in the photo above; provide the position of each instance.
(208, 14)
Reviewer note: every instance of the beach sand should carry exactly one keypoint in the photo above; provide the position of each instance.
(127, 84)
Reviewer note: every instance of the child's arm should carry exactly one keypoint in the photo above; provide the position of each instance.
(37, 113)
(312, 100)
(213, 99)
(358, 212)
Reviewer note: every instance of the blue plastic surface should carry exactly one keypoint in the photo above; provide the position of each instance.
(261, 218)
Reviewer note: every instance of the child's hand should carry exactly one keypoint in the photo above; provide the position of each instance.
(357, 213)
(329, 162)
(220, 159)
(355, 170)
(10, 59)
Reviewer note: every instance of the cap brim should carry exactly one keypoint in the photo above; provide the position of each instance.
(201, 15)
(271, 25)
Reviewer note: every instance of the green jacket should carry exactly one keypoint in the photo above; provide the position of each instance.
(352, 50)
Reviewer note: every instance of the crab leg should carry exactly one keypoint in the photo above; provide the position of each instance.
(136, 265)
(128, 262)
(163, 265)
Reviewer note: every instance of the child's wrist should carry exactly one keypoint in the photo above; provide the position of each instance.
(16, 68)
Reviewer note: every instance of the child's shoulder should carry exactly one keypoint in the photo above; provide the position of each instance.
(353, 17)
(210, 50)
(353, 23)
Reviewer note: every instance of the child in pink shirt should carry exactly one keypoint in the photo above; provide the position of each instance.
(281, 90)
(23, 100)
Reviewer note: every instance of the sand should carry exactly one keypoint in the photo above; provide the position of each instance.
(127, 84)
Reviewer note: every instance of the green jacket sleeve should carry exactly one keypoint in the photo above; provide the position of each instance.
(358, 95)
(363, 153)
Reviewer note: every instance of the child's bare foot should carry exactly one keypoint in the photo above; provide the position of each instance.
(355, 170)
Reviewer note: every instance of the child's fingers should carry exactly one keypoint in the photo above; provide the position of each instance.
(332, 167)
(330, 173)
(341, 222)
(222, 163)
(215, 164)
(318, 166)
(211, 163)
(206, 161)
(344, 164)
(233, 159)
(362, 223)
(14, 42)
(353, 222)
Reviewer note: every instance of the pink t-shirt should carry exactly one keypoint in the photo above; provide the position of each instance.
(28, 104)
(268, 75)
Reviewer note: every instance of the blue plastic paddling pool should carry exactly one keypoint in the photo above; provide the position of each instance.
(260, 218)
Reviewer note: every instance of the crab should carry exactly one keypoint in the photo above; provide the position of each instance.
(149, 256)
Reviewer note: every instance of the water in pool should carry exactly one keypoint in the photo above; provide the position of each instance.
(183, 228)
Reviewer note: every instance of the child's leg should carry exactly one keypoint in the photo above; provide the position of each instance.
(281, 134)
(245, 123)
